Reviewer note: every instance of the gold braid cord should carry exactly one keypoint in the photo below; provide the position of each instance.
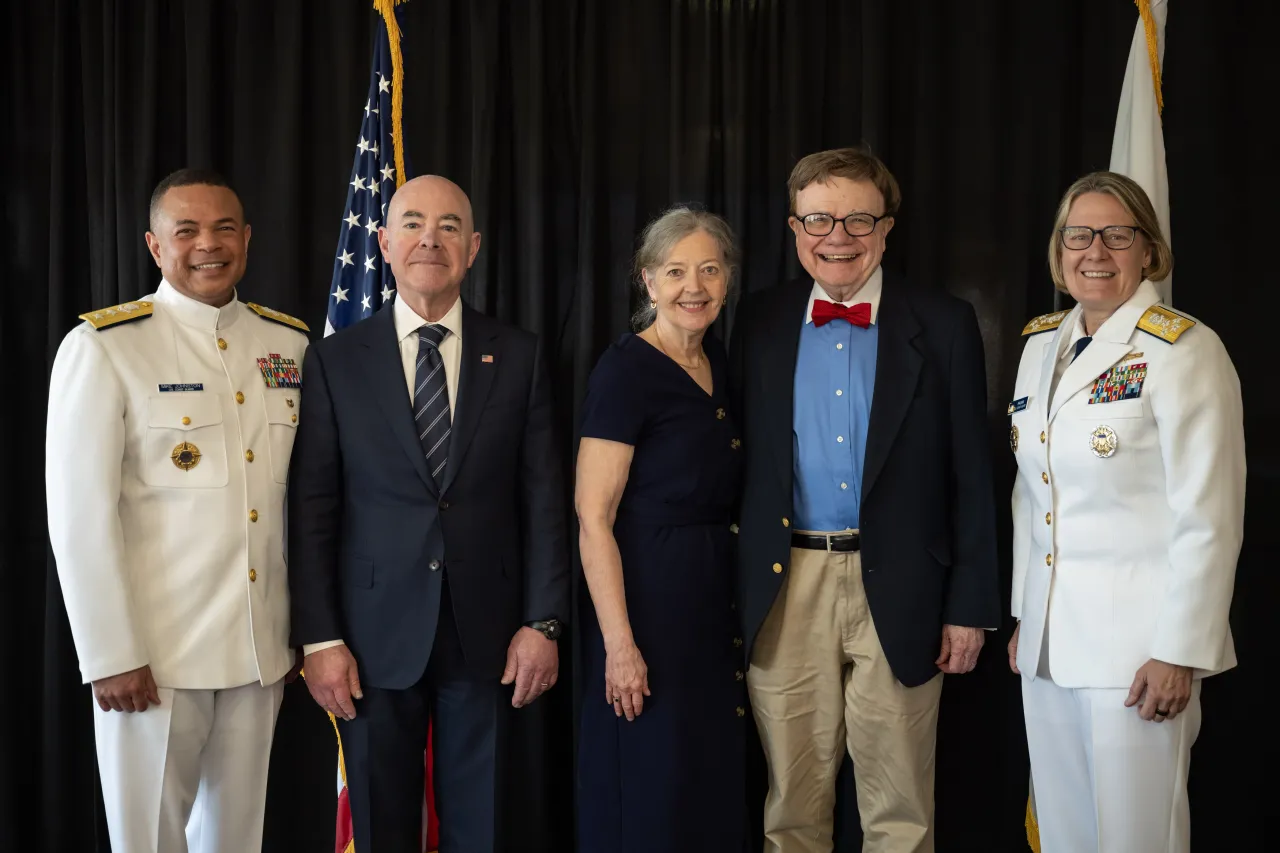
(1153, 48)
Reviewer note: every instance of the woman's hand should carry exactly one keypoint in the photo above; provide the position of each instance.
(626, 680)
(1013, 650)
(1167, 689)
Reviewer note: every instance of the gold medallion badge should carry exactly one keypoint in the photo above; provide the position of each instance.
(1103, 442)
(186, 456)
(1013, 439)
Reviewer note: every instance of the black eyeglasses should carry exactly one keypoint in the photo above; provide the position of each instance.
(1080, 237)
(855, 224)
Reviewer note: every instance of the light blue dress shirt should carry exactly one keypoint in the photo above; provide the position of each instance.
(834, 383)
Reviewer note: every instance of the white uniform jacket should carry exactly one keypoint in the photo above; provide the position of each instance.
(167, 449)
(1128, 508)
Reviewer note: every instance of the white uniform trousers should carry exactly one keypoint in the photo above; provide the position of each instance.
(1107, 781)
(201, 751)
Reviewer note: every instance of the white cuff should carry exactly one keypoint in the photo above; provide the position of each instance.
(308, 648)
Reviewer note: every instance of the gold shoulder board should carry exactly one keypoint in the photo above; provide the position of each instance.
(1045, 322)
(115, 315)
(277, 317)
(1164, 324)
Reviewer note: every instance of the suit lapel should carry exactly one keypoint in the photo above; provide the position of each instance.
(778, 375)
(475, 377)
(1049, 362)
(1110, 343)
(386, 379)
(898, 365)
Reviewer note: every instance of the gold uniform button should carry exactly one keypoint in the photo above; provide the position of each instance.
(248, 455)
(1048, 559)
(733, 528)
(1044, 475)
(740, 711)
(719, 414)
(293, 418)
(737, 642)
(253, 515)
(222, 344)
(1048, 518)
(735, 444)
(289, 402)
(777, 568)
(786, 522)
(240, 397)
(1042, 437)
(737, 676)
(186, 421)
(253, 576)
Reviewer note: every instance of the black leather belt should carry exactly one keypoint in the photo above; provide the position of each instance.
(828, 542)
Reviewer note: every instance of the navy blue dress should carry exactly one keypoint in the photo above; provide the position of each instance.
(672, 780)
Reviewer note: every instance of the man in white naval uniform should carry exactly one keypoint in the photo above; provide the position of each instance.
(171, 421)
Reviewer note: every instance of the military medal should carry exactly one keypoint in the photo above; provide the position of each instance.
(280, 372)
(1103, 442)
(1013, 438)
(186, 456)
(1122, 382)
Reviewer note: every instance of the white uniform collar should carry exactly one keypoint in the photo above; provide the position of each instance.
(192, 312)
(409, 321)
(870, 292)
(1117, 328)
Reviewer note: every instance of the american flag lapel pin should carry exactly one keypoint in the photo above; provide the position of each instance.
(486, 359)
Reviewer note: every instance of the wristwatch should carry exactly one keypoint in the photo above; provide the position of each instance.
(550, 628)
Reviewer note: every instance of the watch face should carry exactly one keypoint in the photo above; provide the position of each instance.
(552, 630)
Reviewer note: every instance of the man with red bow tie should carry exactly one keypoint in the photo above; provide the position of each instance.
(867, 552)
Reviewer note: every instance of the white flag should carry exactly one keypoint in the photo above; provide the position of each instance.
(1137, 149)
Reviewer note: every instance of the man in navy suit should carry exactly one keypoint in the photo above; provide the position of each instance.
(428, 561)
(867, 553)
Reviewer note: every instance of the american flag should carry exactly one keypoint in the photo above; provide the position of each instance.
(361, 281)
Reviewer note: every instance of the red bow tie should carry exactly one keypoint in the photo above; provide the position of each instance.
(824, 312)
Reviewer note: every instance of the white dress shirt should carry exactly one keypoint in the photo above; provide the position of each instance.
(408, 322)
(869, 292)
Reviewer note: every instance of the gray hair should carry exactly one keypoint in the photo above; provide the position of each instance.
(660, 237)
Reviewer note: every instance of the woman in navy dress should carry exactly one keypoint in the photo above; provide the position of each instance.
(662, 743)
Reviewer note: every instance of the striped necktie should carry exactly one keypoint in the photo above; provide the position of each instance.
(431, 399)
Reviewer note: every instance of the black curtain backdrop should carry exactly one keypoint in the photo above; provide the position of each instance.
(571, 123)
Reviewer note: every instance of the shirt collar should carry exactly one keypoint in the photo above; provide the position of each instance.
(409, 321)
(870, 292)
(194, 313)
(1117, 328)
(1067, 343)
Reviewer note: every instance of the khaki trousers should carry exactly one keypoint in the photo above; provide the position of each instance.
(819, 683)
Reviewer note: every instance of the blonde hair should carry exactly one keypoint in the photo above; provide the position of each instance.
(855, 164)
(1135, 202)
(660, 237)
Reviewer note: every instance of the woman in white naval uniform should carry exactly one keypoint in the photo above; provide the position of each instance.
(1128, 514)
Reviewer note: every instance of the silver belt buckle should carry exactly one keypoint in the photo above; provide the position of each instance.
(827, 536)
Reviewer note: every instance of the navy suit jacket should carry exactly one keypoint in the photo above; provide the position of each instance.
(370, 534)
(928, 504)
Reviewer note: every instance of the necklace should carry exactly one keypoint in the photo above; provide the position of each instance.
(668, 354)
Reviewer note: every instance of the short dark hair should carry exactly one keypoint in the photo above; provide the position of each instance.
(188, 178)
(856, 164)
